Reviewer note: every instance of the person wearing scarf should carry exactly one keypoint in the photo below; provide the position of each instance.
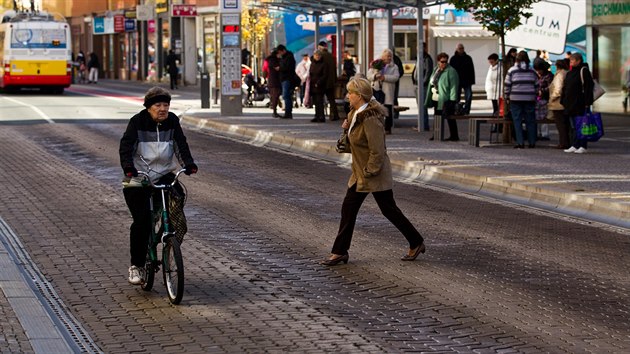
(443, 93)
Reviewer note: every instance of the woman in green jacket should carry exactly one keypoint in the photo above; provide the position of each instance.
(443, 93)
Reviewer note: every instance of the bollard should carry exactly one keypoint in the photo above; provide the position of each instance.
(205, 90)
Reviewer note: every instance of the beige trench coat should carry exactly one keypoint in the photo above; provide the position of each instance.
(371, 169)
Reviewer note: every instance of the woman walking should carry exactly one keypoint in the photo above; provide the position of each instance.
(371, 173)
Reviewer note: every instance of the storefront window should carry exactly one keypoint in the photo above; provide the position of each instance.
(613, 55)
(210, 42)
(406, 44)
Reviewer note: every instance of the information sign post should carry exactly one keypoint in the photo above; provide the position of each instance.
(231, 99)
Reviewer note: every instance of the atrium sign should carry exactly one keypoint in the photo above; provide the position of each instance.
(546, 29)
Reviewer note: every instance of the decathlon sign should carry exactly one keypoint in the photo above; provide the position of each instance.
(546, 29)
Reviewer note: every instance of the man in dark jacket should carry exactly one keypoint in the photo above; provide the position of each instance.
(171, 68)
(287, 75)
(331, 79)
(463, 64)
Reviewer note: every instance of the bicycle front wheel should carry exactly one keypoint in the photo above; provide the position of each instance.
(173, 270)
(149, 274)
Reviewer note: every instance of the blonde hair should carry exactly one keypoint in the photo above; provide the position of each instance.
(361, 87)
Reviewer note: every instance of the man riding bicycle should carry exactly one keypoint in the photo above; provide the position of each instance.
(152, 139)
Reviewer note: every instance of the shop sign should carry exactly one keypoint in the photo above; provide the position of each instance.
(546, 29)
(151, 26)
(608, 12)
(397, 13)
(130, 25)
(453, 17)
(130, 14)
(230, 6)
(144, 12)
(119, 23)
(103, 25)
(183, 10)
(161, 6)
(98, 25)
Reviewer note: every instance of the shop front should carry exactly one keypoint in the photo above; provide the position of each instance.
(609, 21)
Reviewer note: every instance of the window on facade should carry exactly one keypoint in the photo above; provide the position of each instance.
(406, 44)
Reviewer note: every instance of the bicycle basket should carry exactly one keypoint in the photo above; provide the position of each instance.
(177, 201)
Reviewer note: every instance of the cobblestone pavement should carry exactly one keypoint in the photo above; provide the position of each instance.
(496, 277)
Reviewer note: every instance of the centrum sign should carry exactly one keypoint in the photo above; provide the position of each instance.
(546, 29)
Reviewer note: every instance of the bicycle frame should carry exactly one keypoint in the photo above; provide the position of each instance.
(173, 272)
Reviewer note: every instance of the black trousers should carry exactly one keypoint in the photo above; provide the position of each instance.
(173, 77)
(447, 110)
(385, 200)
(330, 97)
(137, 199)
(318, 102)
(389, 120)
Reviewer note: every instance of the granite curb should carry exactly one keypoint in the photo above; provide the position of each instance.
(605, 207)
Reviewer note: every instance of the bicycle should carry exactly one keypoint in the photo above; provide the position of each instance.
(162, 231)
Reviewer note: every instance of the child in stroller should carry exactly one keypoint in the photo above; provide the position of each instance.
(253, 90)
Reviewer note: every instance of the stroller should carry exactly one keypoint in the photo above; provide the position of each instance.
(253, 90)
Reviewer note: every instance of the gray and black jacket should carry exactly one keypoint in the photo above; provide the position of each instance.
(156, 143)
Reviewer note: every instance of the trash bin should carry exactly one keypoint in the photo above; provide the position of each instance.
(205, 90)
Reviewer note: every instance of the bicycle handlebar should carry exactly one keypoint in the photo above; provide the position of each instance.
(146, 177)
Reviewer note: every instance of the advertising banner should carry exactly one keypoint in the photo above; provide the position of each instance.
(546, 29)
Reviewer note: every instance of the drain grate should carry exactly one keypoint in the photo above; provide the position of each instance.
(75, 335)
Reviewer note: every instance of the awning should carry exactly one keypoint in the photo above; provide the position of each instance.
(460, 31)
(310, 26)
(331, 6)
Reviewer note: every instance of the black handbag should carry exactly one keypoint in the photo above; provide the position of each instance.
(379, 95)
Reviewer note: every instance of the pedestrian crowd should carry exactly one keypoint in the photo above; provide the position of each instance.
(521, 90)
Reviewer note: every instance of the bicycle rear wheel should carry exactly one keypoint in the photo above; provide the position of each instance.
(149, 274)
(173, 270)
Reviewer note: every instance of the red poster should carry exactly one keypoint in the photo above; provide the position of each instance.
(183, 10)
(119, 23)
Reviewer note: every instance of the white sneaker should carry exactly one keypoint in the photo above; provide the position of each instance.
(571, 149)
(580, 151)
(136, 275)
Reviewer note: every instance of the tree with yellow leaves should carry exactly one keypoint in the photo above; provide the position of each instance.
(255, 24)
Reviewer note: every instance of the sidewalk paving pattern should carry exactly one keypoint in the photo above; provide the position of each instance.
(594, 186)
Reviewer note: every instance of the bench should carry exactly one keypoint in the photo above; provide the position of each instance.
(438, 125)
(474, 127)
